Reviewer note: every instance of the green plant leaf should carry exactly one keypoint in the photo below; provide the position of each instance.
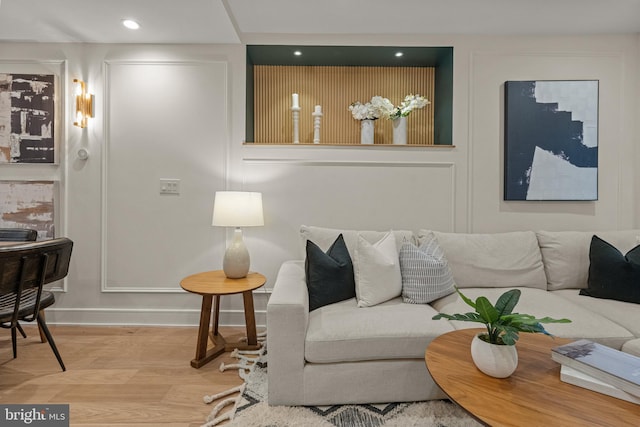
(510, 335)
(519, 319)
(465, 299)
(535, 328)
(469, 317)
(486, 310)
(507, 301)
(550, 320)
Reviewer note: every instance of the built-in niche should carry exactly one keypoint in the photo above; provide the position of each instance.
(334, 77)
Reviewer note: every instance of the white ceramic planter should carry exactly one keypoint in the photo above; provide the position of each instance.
(499, 361)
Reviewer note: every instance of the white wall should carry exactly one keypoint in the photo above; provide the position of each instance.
(178, 112)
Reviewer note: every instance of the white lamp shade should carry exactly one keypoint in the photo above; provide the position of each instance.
(237, 209)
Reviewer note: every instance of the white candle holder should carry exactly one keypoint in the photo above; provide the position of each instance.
(316, 126)
(295, 112)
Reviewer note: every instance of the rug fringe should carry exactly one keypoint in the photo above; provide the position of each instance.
(224, 367)
(240, 353)
(213, 419)
(211, 398)
(248, 360)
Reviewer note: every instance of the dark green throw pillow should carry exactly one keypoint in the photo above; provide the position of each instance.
(329, 275)
(611, 274)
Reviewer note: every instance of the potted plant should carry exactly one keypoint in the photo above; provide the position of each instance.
(494, 351)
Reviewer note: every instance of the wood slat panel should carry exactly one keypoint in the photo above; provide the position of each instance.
(335, 88)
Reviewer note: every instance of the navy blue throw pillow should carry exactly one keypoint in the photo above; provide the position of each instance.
(611, 274)
(329, 275)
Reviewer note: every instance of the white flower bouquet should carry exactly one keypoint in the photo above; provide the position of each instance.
(411, 102)
(382, 107)
(362, 111)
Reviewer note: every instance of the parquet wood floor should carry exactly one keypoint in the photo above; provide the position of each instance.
(116, 376)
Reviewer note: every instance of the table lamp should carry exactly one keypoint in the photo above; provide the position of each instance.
(237, 209)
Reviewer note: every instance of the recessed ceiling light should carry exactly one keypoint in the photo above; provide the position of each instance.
(297, 53)
(130, 24)
(399, 54)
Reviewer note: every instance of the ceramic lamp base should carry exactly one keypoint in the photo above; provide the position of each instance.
(236, 258)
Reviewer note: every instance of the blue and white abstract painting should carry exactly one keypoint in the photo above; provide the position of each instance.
(551, 140)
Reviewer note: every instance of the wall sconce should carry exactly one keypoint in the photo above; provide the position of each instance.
(84, 104)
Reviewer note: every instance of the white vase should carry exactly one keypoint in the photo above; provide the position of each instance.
(499, 361)
(366, 131)
(400, 130)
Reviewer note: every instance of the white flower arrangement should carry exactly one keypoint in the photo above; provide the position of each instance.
(362, 111)
(411, 102)
(382, 107)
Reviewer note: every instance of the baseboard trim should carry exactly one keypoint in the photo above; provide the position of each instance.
(143, 317)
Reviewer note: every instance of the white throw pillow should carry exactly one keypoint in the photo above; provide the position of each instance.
(426, 275)
(377, 271)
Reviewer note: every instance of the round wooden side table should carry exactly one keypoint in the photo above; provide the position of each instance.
(211, 284)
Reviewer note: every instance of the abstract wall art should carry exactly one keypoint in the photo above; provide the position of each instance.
(551, 140)
(27, 115)
(28, 204)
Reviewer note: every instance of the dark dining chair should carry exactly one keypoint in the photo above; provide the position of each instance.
(24, 270)
(18, 235)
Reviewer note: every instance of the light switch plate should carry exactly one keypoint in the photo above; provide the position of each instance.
(169, 186)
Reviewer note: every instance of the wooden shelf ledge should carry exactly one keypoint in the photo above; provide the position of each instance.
(335, 144)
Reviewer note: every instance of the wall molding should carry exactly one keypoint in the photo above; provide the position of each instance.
(451, 166)
(107, 65)
(374, 163)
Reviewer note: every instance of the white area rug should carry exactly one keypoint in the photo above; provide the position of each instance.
(252, 410)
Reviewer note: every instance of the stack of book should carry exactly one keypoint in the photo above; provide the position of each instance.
(599, 368)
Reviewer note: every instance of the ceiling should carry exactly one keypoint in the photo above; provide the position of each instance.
(233, 21)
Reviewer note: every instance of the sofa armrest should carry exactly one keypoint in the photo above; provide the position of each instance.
(287, 319)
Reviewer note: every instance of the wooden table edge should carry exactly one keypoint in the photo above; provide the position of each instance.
(574, 404)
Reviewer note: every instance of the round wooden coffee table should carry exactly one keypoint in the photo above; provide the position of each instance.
(211, 284)
(532, 396)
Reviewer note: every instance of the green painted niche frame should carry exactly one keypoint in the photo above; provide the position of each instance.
(441, 58)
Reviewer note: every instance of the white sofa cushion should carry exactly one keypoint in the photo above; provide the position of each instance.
(632, 347)
(324, 237)
(425, 272)
(566, 254)
(342, 332)
(377, 271)
(625, 314)
(540, 303)
(496, 260)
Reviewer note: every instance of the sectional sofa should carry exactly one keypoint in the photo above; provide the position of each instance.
(341, 353)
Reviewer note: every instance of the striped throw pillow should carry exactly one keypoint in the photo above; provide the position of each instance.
(425, 272)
